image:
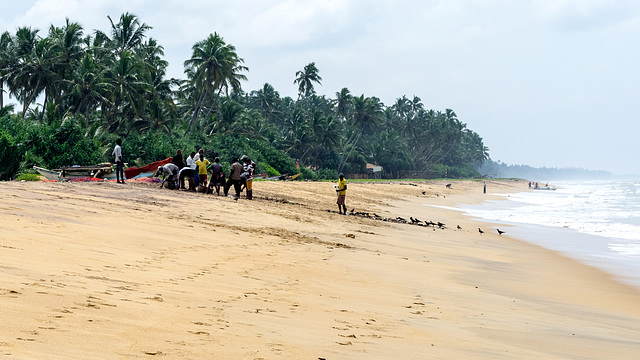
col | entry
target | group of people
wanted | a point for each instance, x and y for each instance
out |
(196, 169)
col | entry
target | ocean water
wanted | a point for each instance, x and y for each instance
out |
(595, 222)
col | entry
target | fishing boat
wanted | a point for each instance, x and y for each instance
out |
(145, 171)
(48, 174)
(99, 171)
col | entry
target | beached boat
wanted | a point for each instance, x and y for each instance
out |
(100, 171)
(48, 174)
(545, 188)
(145, 171)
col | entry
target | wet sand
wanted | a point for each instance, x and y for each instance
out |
(113, 271)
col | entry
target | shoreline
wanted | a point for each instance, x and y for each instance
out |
(586, 248)
(284, 277)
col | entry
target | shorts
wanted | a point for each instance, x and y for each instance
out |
(341, 199)
(250, 185)
(217, 180)
(203, 178)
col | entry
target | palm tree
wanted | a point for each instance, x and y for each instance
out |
(305, 79)
(127, 84)
(126, 35)
(214, 66)
(6, 43)
(40, 71)
(229, 113)
(267, 100)
(17, 72)
(67, 43)
(87, 87)
(343, 103)
(367, 111)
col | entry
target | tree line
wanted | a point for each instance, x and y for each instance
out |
(79, 91)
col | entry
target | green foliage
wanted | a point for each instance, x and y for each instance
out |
(327, 174)
(462, 172)
(454, 172)
(29, 177)
(9, 158)
(307, 174)
(268, 169)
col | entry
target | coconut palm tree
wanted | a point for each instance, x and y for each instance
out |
(127, 85)
(367, 111)
(343, 103)
(68, 47)
(87, 88)
(305, 79)
(17, 70)
(214, 66)
(6, 43)
(267, 100)
(127, 35)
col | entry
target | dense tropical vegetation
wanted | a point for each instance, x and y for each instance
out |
(80, 91)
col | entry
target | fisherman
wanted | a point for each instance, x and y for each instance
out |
(196, 172)
(177, 159)
(249, 170)
(202, 164)
(170, 175)
(117, 153)
(234, 177)
(341, 190)
(188, 172)
(217, 176)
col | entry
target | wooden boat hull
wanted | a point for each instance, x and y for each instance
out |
(101, 172)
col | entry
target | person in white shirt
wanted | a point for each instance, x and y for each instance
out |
(170, 173)
(117, 153)
(189, 171)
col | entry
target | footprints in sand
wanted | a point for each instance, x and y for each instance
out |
(422, 308)
(366, 329)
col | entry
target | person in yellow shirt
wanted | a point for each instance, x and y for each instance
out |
(202, 165)
(342, 192)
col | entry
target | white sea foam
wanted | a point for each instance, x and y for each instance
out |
(608, 212)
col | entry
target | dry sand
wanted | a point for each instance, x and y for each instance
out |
(108, 271)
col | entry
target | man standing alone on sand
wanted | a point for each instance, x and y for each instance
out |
(117, 153)
(342, 193)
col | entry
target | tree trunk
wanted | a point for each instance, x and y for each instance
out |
(31, 98)
(195, 112)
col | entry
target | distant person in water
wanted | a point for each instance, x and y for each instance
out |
(117, 153)
(341, 190)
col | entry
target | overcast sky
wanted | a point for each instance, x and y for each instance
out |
(552, 83)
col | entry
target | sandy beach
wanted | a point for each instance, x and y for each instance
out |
(110, 271)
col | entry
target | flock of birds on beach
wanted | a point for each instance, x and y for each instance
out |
(411, 221)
